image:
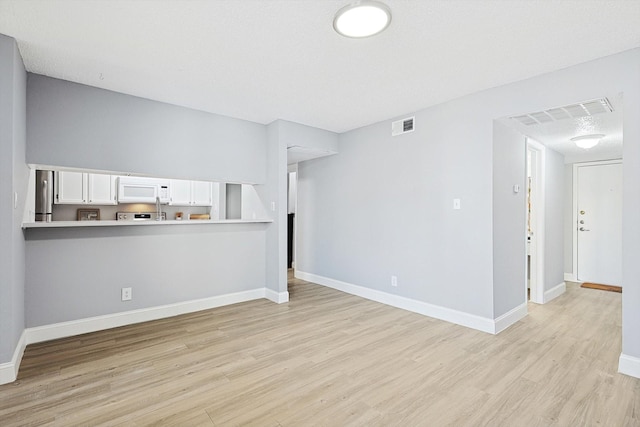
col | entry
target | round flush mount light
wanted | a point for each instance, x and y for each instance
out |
(587, 141)
(362, 19)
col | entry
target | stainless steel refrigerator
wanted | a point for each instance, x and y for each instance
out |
(44, 195)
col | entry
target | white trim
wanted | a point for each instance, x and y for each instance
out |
(9, 370)
(574, 215)
(537, 285)
(554, 292)
(277, 297)
(108, 321)
(469, 320)
(570, 277)
(629, 365)
(294, 239)
(574, 221)
(509, 318)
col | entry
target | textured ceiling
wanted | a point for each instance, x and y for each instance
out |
(263, 60)
(557, 134)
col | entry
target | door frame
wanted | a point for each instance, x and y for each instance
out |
(293, 168)
(574, 204)
(538, 200)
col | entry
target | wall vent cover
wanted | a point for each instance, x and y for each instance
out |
(574, 111)
(403, 126)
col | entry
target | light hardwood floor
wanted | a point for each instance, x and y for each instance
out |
(332, 359)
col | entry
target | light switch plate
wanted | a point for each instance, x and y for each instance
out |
(456, 204)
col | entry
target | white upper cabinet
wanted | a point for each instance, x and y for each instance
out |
(71, 188)
(101, 189)
(190, 193)
(201, 193)
(77, 188)
(180, 192)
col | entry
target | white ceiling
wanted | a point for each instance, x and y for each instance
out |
(263, 60)
(557, 134)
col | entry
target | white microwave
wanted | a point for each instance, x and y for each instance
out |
(133, 189)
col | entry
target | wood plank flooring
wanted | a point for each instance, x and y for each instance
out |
(332, 359)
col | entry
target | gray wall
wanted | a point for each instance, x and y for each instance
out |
(280, 135)
(382, 206)
(276, 191)
(74, 125)
(553, 219)
(509, 219)
(77, 273)
(13, 178)
(627, 71)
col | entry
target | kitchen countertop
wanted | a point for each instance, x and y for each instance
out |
(114, 223)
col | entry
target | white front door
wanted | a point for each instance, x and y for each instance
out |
(599, 228)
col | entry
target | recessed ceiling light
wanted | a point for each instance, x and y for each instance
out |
(362, 19)
(587, 141)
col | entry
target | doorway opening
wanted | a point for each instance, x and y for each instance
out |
(292, 193)
(535, 221)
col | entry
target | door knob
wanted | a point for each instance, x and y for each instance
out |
(583, 229)
(582, 212)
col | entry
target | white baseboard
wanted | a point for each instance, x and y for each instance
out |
(554, 292)
(473, 321)
(98, 323)
(629, 365)
(9, 370)
(277, 297)
(570, 277)
(510, 317)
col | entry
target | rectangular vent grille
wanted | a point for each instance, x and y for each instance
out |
(400, 127)
(584, 109)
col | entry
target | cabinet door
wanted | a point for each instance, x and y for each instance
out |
(180, 191)
(71, 188)
(102, 189)
(201, 193)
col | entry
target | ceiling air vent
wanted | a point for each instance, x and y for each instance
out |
(403, 126)
(574, 111)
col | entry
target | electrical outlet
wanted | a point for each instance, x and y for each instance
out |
(394, 281)
(126, 294)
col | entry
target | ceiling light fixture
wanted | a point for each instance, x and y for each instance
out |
(587, 141)
(363, 18)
